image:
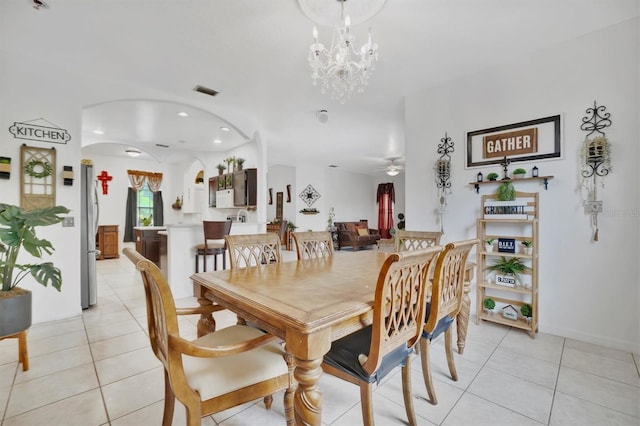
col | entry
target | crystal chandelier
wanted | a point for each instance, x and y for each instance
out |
(342, 68)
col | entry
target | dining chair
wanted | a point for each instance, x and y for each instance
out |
(443, 306)
(213, 230)
(368, 355)
(313, 245)
(412, 240)
(217, 371)
(253, 249)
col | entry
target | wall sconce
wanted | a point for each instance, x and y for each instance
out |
(67, 175)
(442, 170)
(596, 160)
(534, 171)
(5, 167)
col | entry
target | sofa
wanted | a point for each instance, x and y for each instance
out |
(356, 234)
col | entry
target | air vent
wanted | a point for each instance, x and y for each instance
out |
(332, 165)
(205, 90)
(162, 145)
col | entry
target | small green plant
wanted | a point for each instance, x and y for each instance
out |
(489, 303)
(506, 191)
(526, 310)
(240, 162)
(519, 171)
(489, 241)
(146, 221)
(492, 176)
(221, 168)
(527, 244)
(513, 266)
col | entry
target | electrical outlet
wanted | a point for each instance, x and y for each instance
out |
(68, 222)
(591, 207)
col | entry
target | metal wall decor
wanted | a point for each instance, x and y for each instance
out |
(442, 171)
(595, 160)
(309, 195)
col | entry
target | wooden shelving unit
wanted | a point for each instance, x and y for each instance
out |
(523, 293)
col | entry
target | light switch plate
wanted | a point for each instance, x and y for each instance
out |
(68, 222)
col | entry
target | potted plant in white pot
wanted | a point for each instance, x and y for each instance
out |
(17, 231)
(488, 245)
(527, 247)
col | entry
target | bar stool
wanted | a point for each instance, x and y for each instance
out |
(213, 230)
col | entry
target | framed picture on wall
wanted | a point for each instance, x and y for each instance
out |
(538, 139)
(279, 205)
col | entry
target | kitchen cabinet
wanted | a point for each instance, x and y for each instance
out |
(148, 244)
(509, 223)
(245, 188)
(107, 242)
(214, 182)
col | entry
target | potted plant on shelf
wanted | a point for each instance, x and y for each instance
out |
(519, 173)
(489, 304)
(221, 168)
(17, 231)
(488, 244)
(239, 163)
(492, 176)
(511, 267)
(527, 247)
(526, 310)
(506, 191)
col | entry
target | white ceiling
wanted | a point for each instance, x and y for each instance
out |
(254, 53)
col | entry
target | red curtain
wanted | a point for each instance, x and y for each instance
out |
(385, 199)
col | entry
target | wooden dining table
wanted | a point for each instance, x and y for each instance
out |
(307, 303)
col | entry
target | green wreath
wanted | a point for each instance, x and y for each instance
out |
(30, 168)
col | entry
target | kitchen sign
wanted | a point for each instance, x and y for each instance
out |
(33, 132)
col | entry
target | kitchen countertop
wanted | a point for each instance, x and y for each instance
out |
(150, 228)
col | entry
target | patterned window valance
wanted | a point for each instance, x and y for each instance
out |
(138, 178)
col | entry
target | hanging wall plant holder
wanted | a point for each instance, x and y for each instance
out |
(38, 177)
(595, 160)
(5, 167)
(442, 171)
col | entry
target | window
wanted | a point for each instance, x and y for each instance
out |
(145, 206)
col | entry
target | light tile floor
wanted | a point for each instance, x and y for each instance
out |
(98, 369)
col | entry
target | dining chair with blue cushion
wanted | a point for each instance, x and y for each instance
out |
(313, 244)
(365, 357)
(443, 306)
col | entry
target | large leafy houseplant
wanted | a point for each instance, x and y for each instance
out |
(513, 266)
(18, 230)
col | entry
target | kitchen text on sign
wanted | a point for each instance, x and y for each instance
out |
(33, 132)
(510, 143)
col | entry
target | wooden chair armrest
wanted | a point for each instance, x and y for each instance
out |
(188, 348)
(199, 310)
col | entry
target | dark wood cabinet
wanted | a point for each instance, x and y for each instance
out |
(245, 188)
(214, 182)
(148, 244)
(107, 242)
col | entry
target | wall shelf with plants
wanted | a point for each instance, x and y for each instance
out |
(545, 180)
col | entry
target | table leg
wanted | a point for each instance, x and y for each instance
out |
(307, 401)
(206, 323)
(462, 320)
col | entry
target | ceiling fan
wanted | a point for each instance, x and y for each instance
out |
(393, 166)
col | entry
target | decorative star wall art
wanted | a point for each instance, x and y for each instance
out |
(309, 195)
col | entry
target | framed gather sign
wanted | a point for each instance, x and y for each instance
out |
(538, 139)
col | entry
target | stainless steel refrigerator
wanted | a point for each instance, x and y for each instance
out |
(89, 223)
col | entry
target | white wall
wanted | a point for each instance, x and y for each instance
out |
(588, 290)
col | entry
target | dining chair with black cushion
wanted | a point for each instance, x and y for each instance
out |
(214, 243)
(253, 249)
(443, 306)
(413, 240)
(217, 371)
(365, 357)
(313, 245)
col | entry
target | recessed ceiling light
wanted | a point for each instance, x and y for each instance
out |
(183, 114)
(98, 132)
(217, 141)
(133, 152)
(225, 129)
